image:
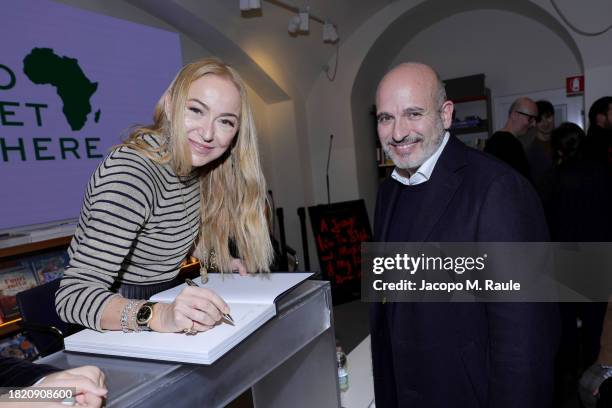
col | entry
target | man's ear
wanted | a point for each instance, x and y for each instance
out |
(446, 112)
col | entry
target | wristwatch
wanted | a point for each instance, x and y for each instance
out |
(144, 316)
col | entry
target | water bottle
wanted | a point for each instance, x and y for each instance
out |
(342, 369)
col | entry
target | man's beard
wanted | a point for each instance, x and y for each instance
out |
(429, 146)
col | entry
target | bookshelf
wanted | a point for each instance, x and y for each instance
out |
(13, 326)
(35, 247)
(472, 122)
(10, 327)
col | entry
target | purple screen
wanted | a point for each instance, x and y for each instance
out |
(71, 83)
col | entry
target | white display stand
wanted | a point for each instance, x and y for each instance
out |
(288, 362)
(360, 393)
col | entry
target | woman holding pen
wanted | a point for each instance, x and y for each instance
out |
(190, 182)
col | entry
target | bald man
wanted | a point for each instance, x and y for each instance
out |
(441, 355)
(505, 145)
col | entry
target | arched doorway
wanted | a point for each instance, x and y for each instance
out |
(442, 24)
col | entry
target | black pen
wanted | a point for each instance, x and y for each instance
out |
(226, 316)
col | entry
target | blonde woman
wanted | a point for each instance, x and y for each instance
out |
(190, 181)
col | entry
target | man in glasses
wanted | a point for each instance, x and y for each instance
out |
(505, 145)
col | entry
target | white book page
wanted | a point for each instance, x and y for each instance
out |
(203, 348)
(260, 288)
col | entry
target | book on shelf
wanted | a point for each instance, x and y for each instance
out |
(17, 346)
(15, 277)
(49, 266)
(252, 303)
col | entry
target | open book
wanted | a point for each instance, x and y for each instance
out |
(251, 301)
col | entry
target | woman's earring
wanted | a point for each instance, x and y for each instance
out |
(209, 265)
(203, 272)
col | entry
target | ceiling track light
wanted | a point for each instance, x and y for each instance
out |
(294, 24)
(304, 20)
(300, 22)
(246, 5)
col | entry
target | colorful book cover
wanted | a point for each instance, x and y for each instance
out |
(18, 346)
(49, 266)
(14, 278)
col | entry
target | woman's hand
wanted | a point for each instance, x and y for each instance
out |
(237, 266)
(195, 309)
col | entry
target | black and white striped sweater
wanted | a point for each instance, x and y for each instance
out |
(137, 224)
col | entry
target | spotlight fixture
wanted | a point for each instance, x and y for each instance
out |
(330, 34)
(294, 24)
(299, 23)
(246, 5)
(304, 20)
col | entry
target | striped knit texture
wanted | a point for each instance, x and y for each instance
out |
(135, 227)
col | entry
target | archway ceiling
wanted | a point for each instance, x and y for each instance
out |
(427, 13)
(273, 63)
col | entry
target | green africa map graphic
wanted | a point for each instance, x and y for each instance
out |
(43, 67)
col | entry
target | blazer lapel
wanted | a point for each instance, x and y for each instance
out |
(445, 182)
(388, 215)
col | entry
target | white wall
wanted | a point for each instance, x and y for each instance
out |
(295, 134)
(591, 16)
(517, 54)
(125, 11)
(452, 44)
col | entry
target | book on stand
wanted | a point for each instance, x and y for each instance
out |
(49, 266)
(252, 303)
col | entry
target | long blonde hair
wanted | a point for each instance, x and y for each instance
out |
(232, 188)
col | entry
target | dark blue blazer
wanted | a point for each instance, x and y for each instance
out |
(441, 355)
(15, 372)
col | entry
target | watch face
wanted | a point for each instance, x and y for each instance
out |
(144, 314)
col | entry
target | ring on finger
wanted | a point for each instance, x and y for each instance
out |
(191, 331)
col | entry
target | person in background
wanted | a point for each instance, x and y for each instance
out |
(440, 355)
(568, 143)
(539, 150)
(505, 145)
(577, 197)
(17, 373)
(596, 381)
(190, 182)
(599, 135)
